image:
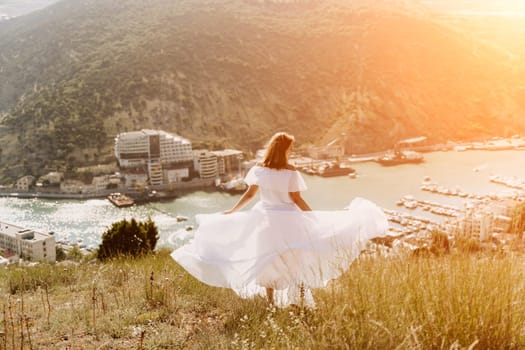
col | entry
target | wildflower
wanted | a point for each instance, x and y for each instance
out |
(136, 331)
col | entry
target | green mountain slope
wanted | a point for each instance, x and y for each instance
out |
(232, 72)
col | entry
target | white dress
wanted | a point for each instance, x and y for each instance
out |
(275, 244)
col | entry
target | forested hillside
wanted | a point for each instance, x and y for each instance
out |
(231, 72)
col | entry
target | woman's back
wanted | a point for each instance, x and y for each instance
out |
(276, 245)
(275, 185)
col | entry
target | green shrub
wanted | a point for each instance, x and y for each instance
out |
(60, 253)
(130, 238)
(74, 253)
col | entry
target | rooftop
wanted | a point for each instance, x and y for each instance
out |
(227, 152)
(149, 132)
(22, 233)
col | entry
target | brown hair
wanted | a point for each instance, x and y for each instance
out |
(275, 155)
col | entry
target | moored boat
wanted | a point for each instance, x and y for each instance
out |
(120, 200)
(401, 157)
(233, 186)
(335, 170)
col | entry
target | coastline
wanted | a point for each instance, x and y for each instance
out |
(169, 191)
(85, 219)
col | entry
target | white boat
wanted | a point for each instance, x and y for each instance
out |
(460, 148)
(410, 204)
(400, 157)
(234, 185)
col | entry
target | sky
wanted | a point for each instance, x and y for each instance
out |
(499, 6)
(14, 8)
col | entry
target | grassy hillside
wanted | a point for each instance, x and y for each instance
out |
(456, 301)
(231, 72)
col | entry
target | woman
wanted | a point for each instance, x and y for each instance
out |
(280, 244)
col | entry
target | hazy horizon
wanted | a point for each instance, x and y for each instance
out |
(15, 8)
(478, 5)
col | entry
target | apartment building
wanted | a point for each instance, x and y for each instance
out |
(205, 162)
(228, 161)
(24, 183)
(153, 151)
(27, 243)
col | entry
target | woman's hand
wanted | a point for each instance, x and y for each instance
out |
(229, 211)
(299, 201)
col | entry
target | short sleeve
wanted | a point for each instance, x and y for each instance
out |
(297, 183)
(251, 177)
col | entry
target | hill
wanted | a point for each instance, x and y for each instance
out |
(457, 301)
(14, 8)
(231, 72)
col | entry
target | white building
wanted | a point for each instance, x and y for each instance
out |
(228, 161)
(132, 149)
(24, 183)
(154, 151)
(72, 186)
(54, 177)
(27, 243)
(102, 182)
(205, 162)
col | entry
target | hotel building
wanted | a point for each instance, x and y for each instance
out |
(27, 243)
(156, 152)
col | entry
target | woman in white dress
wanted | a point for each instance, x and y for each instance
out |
(278, 247)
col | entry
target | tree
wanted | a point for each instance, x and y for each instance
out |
(128, 238)
(152, 233)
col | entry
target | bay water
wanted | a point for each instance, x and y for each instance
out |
(84, 221)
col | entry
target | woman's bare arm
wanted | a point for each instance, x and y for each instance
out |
(299, 201)
(245, 199)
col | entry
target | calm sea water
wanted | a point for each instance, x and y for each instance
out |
(87, 220)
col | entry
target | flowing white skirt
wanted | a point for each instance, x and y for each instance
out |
(279, 248)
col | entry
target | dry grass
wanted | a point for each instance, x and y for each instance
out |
(451, 302)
